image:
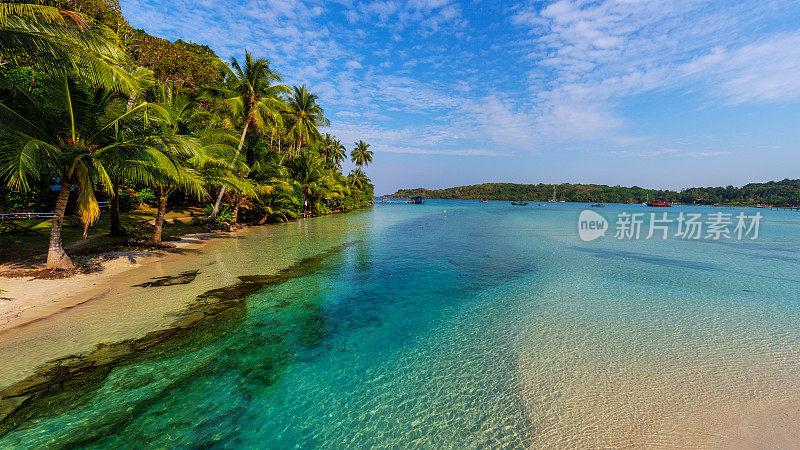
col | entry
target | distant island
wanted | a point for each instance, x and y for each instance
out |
(778, 193)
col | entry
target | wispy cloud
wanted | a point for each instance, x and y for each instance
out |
(459, 78)
(586, 57)
(427, 16)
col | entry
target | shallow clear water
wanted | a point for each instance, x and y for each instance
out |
(491, 325)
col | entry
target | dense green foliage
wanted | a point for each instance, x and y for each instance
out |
(779, 193)
(93, 110)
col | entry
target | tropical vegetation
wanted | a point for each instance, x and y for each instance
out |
(778, 193)
(94, 112)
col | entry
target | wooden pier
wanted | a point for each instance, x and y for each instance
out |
(393, 201)
(418, 200)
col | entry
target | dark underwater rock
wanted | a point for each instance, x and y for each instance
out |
(181, 278)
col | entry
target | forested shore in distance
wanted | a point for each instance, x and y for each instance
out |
(777, 193)
(95, 113)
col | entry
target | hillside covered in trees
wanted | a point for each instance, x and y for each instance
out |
(785, 192)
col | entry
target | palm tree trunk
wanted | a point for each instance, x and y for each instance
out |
(131, 102)
(116, 223)
(236, 209)
(162, 210)
(215, 211)
(56, 256)
(286, 153)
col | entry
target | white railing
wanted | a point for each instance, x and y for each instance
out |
(25, 215)
(38, 215)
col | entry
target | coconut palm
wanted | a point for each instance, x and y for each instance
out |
(304, 117)
(339, 154)
(277, 205)
(145, 79)
(316, 183)
(180, 174)
(357, 179)
(326, 148)
(77, 140)
(62, 42)
(207, 165)
(251, 100)
(361, 155)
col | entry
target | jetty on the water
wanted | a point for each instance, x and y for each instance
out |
(416, 200)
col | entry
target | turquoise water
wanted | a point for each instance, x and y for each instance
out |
(491, 326)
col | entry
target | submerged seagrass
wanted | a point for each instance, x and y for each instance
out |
(67, 381)
(489, 326)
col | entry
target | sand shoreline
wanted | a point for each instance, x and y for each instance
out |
(27, 299)
(46, 319)
(35, 311)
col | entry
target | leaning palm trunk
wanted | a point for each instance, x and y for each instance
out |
(162, 210)
(56, 256)
(215, 211)
(289, 149)
(283, 156)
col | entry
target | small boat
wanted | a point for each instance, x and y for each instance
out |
(659, 204)
(598, 205)
(418, 200)
(519, 203)
(483, 200)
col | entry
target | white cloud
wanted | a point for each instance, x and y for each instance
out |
(765, 71)
(585, 57)
(566, 66)
(428, 16)
(353, 65)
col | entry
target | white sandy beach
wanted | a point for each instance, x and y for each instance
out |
(43, 319)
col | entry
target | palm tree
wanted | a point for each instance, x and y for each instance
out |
(357, 179)
(275, 195)
(144, 78)
(304, 117)
(76, 139)
(360, 155)
(62, 42)
(207, 163)
(249, 97)
(326, 148)
(339, 154)
(278, 202)
(180, 174)
(315, 182)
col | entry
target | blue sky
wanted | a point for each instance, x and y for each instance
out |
(656, 93)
